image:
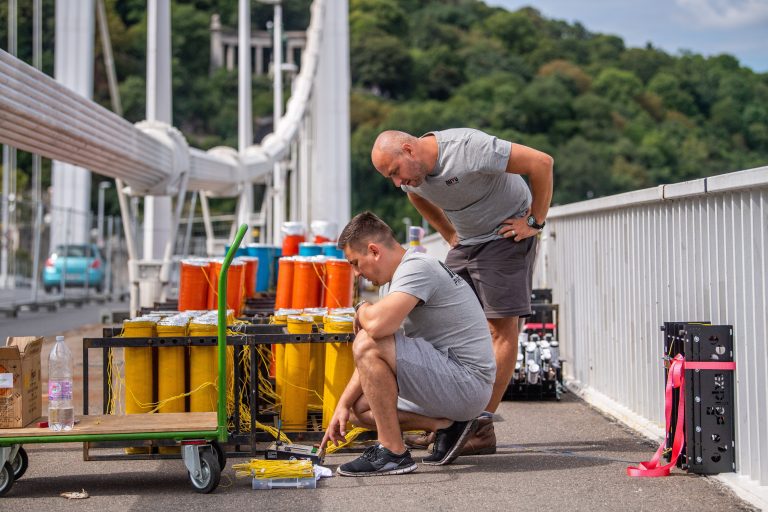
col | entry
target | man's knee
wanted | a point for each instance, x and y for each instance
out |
(363, 345)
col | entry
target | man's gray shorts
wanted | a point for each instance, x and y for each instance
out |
(437, 385)
(500, 273)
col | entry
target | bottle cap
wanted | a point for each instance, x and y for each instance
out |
(59, 338)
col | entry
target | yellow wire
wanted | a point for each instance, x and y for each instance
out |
(351, 436)
(263, 469)
(199, 327)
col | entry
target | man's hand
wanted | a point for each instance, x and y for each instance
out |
(453, 240)
(517, 228)
(337, 428)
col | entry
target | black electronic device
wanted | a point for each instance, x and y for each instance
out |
(710, 444)
(282, 451)
(543, 295)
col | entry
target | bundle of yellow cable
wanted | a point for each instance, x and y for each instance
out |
(239, 402)
(267, 395)
(267, 390)
(351, 436)
(264, 469)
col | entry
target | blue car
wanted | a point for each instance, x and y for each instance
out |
(74, 265)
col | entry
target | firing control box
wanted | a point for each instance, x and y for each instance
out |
(282, 451)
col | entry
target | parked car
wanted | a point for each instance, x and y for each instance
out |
(74, 265)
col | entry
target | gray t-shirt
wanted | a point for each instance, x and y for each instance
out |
(471, 185)
(448, 315)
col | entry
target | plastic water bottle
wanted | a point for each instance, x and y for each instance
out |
(61, 412)
(554, 346)
(415, 234)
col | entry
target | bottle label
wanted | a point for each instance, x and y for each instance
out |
(59, 390)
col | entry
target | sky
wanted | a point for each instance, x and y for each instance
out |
(708, 27)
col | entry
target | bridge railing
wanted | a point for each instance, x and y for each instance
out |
(40, 115)
(620, 266)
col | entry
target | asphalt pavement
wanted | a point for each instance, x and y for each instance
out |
(551, 456)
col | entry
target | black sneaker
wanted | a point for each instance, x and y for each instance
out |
(449, 442)
(377, 460)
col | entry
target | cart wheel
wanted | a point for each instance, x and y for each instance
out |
(19, 464)
(210, 473)
(6, 478)
(220, 455)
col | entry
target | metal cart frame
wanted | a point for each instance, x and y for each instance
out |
(198, 433)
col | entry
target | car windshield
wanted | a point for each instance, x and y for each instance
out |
(76, 251)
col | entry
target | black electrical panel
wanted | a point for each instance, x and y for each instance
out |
(710, 443)
(542, 295)
(538, 371)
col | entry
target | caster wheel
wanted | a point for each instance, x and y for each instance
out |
(210, 473)
(6, 478)
(19, 464)
(220, 455)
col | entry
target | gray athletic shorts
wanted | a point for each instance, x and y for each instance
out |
(437, 385)
(500, 273)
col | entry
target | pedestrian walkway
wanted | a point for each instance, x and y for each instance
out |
(556, 456)
(14, 302)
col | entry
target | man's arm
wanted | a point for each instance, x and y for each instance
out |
(385, 317)
(337, 425)
(436, 218)
(538, 166)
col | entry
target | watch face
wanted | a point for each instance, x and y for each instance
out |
(531, 220)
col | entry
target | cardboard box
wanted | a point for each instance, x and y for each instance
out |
(20, 382)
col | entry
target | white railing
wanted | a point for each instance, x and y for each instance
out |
(620, 266)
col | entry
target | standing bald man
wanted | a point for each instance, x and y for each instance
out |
(469, 186)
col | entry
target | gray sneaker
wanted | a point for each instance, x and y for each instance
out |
(377, 460)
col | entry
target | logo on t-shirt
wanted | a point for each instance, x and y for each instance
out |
(456, 279)
(452, 181)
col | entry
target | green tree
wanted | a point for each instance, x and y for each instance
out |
(438, 71)
(545, 100)
(617, 85)
(515, 29)
(381, 64)
(668, 87)
(644, 62)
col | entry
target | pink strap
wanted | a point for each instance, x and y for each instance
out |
(675, 379)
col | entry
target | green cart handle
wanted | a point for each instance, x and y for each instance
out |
(221, 417)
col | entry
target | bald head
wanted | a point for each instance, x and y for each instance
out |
(388, 145)
(403, 158)
(391, 141)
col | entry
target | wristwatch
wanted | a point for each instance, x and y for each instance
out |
(357, 306)
(532, 222)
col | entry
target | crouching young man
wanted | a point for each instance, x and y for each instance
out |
(423, 354)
